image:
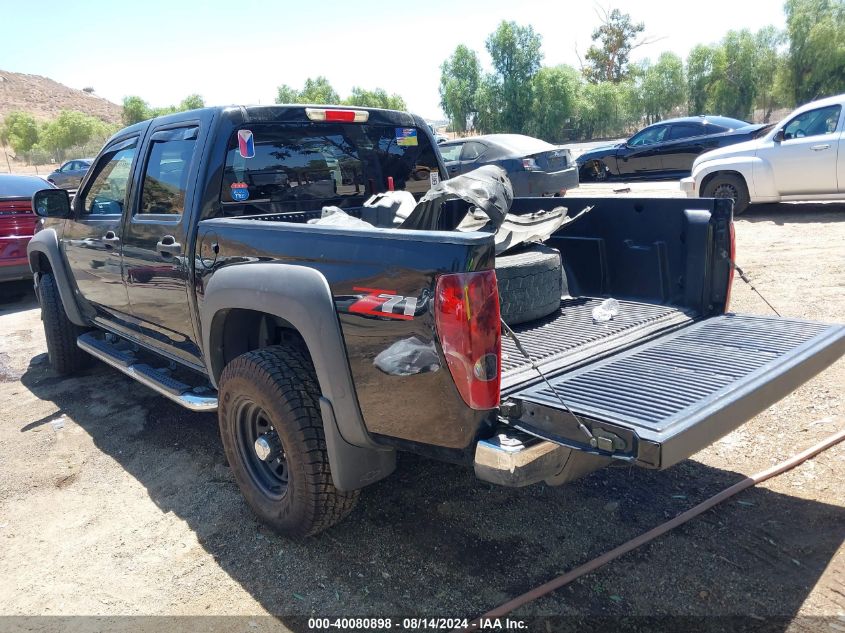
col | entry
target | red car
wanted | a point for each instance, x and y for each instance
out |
(17, 223)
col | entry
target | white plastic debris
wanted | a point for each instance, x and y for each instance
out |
(335, 216)
(606, 310)
(58, 423)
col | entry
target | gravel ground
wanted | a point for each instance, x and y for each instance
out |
(114, 501)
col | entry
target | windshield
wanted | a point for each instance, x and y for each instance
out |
(309, 165)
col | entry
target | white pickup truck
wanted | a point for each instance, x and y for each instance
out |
(800, 158)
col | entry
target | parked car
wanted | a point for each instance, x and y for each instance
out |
(325, 349)
(665, 150)
(71, 173)
(801, 158)
(438, 137)
(535, 167)
(17, 223)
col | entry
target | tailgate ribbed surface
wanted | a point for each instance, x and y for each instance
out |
(659, 383)
(553, 341)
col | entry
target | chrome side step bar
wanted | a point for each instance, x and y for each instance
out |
(192, 398)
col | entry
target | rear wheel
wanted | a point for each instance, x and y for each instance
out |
(273, 436)
(728, 186)
(61, 334)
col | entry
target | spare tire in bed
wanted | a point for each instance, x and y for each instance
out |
(530, 283)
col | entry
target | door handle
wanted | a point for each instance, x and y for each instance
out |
(168, 246)
(110, 239)
(818, 148)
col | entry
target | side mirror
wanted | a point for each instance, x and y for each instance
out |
(51, 203)
(778, 137)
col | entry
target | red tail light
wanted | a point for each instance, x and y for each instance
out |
(343, 116)
(732, 237)
(468, 323)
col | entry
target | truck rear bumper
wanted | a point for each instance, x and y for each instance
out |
(688, 187)
(513, 459)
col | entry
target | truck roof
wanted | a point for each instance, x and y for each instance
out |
(279, 113)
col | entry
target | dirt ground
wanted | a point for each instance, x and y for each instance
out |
(113, 501)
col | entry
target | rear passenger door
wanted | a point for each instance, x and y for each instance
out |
(155, 242)
(472, 155)
(685, 141)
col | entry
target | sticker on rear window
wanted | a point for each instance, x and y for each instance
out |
(406, 136)
(240, 191)
(246, 144)
(434, 177)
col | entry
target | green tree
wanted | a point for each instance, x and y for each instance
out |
(460, 76)
(377, 98)
(67, 130)
(20, 131)
(489, 105)
(607, 109)
(700, 65)
(735, 84)
(515, 51)
(317, 90)
(816, 30)
(663, 87)
(287, 94)
(191, 102)
(135, 109)
(770, 70)
(608, 58)
(555, 93)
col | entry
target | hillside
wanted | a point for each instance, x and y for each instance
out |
(45, 98)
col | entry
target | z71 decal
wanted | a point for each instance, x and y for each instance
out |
(384, 303)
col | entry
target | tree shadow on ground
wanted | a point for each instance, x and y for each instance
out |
(432, 540)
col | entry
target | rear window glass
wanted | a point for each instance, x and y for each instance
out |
(306, 166)
(21, 186)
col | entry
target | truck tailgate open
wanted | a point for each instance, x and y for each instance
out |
(662, 401)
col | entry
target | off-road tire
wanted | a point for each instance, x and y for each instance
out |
(728, 186)
(281, 381)
(65, 355)
(530, 283)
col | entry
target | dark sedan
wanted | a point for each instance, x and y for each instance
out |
(665, 150)
(17, 223)
(70, 174)
(535, 168)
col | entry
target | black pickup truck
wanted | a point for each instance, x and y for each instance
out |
(187, 261)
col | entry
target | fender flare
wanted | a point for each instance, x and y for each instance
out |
(301, 297)
(752, 169)
(46, 242)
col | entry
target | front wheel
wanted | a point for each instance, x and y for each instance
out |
(728, 186)
(61, 334)
(273, 436)
(594, 171)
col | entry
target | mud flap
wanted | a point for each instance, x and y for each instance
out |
(660, 402)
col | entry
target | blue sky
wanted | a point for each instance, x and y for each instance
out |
(238, 51)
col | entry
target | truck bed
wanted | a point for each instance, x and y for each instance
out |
(571, 336)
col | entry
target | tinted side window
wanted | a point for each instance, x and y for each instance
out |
(685, 130)
(107, 193)
(813, 123)
(166, 174)
(451, 152)
(473, 150)
(649, 136)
